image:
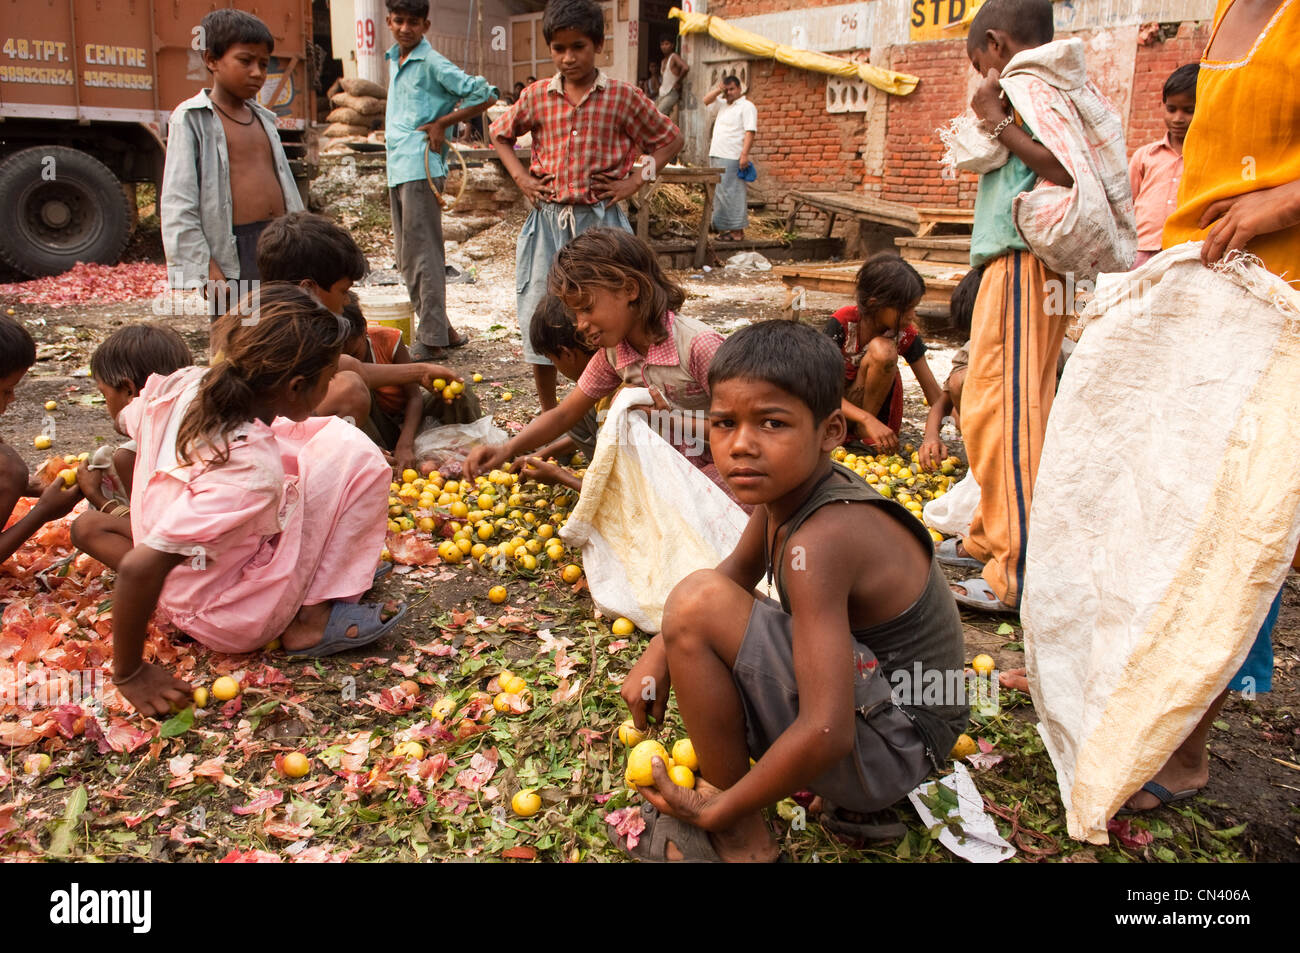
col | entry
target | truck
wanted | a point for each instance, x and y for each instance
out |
(86, 89)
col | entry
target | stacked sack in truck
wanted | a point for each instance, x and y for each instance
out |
(358, 110)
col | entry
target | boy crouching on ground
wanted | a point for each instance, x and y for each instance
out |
(803, 687)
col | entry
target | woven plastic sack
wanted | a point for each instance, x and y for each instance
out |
(1164, 517)
(647, 517)
(952, 513)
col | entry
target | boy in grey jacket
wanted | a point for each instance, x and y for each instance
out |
(226, 175)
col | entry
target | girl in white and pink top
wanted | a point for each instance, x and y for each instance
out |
(251, 519)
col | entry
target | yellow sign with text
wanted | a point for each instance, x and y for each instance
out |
(941, 19)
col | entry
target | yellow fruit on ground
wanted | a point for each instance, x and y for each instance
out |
(464, 545)
(200, 697)
(497, 595)
(513, 685)
(443, 708)
(936, 536)
(507, 396)
(640, 769)
(533, 546)
(478, 378)
(394, 526)
(409, 475)
(555, 552)
(36, 763)
(484, 530)
(526, 803)
(622, 626)
(41, 442)
(426, 524)
(546, 531)
(684, 753)
(50, 405)
(501, 703)
(225, 688)
(477, 550)
(295, 764)
(965, 746)
(629, 734)
(983, 664)
(410, 750)
(682, 776)
(570, 573)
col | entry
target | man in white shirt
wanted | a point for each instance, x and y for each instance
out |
(734, 128)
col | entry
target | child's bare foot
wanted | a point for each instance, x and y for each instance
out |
(308, 627)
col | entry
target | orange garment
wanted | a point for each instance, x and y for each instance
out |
(383, 346)
(1015, 344)
(1246, 135)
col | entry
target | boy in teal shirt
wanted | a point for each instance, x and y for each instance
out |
(427, 94)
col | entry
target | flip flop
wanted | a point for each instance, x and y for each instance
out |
(366, 616)
(876, 826)
(946, 553)
(652, 847)
(980, 597)
(1163, 795)
(457, 339)
(382, 570)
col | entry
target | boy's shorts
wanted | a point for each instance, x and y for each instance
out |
(888, 758)
(548, 228)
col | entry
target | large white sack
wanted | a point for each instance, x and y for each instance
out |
(1164, 517)
(952, 513)
(647, 518)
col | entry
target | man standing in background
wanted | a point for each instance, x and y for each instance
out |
(734, 128)
(670, 81)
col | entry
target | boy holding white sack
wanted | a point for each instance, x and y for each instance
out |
(1132, 648)
(1054, 206)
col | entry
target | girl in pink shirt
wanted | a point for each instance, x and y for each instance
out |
(251, 518)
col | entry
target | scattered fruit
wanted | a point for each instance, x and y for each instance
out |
(526, 803)
(640, 768)
(36, 763)
(410, 750)
(410, 687)
(295, 764)
(444, 707)
(571, 573)
(629, 734)
(513, 685)
(983, 664)
(200, 697)
(684, 753)
(478, 378)
(225, 688)
(41, 442)
(622, 626)
(51, 404)
(497, 595)
(965, 746)
(507, 396)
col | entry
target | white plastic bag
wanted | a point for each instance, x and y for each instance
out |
(749, 260)
(647, 517)
(1164, 517)
(951, 514)
(447, 446)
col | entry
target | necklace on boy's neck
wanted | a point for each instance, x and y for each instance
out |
(237, 122)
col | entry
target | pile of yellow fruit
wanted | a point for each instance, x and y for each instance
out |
(901, 478)
(450, 391)
(681, 764)
(497, 519)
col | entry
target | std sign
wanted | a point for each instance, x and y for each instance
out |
(940, 19)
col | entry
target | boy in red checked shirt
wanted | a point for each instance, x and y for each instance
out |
(588, 131)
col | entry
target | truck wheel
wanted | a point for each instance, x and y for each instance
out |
(59, 206)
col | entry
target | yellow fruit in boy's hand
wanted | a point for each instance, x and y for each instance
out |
(526, 803)
(684, 753)
(69, 477)
(640, 770)
(295, 764)
(41, 442)
(36, 763)
(497, 595)
(409, 475)
(478, 378)
(507, 396)
(410, 750)
(622, 626)
(50, 405)
(629, 734)
(225, 688)
(200, 697)
(513, 685)
(456, 387)
(439, 383)
(965, 746)
(983, 664)
(682, 776)
(570, 573)
(448, 394)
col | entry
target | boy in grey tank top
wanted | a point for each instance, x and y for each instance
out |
(817, 689)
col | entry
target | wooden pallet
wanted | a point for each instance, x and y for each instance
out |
(916, 221)
(941, 279)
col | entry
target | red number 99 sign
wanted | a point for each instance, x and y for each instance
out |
(365, 35)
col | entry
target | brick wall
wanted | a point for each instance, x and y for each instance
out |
(912, 149)
(1151, 68)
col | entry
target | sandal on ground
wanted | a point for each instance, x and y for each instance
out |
(1163, 795)
(660, 829)
(980, 597)
(876, 826)
(382, 570)
(457, 338)
(366, 616)
(948, 555)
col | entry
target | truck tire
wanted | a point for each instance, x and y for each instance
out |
(59, 206)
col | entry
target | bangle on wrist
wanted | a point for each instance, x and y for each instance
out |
(997, 130)
(123, 681)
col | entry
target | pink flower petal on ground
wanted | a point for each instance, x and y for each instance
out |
(264, 801)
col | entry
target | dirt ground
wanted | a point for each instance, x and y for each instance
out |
(1248, 812)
